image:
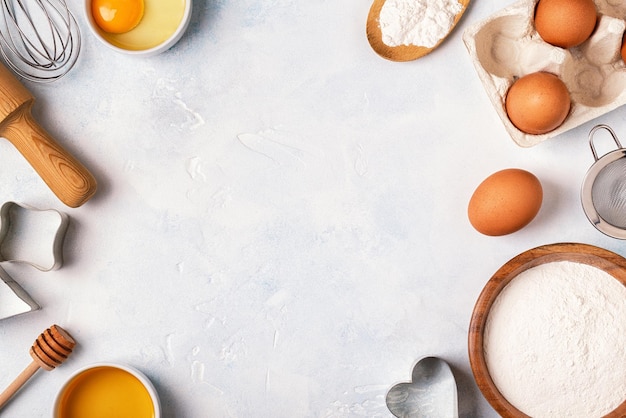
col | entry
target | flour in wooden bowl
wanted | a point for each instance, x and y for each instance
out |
(555, 341)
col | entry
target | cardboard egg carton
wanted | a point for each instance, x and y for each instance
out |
(506, 46)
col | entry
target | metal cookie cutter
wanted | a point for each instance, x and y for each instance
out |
(603, 192)
(13, 299)
(432, 392)
(32, 236)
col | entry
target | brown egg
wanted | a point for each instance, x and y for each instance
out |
(565, 23)
(538, 103)
(505, 202)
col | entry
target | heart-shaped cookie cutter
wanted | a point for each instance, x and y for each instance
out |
(431, 393)
(18, 222)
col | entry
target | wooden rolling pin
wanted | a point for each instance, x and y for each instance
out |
(49, 350)
(67, 178)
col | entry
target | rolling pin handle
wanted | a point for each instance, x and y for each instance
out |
(68, 179)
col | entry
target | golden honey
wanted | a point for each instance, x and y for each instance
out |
(105, 392)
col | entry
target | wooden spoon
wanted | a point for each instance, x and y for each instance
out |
(49, 350)
(401, 52)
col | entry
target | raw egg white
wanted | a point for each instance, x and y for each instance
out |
(505, 202)
(538, 103)
(160, 21)
(117, 16)
(565, 23)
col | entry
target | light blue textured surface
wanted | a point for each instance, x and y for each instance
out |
(280, 228)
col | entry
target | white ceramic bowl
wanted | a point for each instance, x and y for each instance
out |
(109, 40)
(81, 374)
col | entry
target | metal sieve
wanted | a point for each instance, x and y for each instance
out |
(603, 192)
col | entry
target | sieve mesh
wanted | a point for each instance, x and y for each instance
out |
(608, 193)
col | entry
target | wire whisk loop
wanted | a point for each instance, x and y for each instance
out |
(39, 39)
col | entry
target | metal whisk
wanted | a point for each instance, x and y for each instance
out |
(39, 39)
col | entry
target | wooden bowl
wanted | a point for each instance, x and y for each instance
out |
(612, 263)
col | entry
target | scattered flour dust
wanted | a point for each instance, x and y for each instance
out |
(417, 22)
(555, 341)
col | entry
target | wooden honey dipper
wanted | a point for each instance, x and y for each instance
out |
(49, 350)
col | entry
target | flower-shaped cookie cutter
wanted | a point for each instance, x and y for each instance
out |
(32, 236)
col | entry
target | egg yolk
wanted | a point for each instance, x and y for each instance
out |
(117, 16)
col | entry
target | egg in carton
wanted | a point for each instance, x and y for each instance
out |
(506, 46)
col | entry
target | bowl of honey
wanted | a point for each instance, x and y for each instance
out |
(138, 27)
(107, 390)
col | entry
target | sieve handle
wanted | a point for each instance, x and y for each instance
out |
(593, 131)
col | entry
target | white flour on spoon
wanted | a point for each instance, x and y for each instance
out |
(417, 22)
(555, 341)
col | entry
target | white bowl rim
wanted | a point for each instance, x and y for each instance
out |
(162, 47)
(129, 369)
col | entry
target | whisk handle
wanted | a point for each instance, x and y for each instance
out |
(68, 179)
